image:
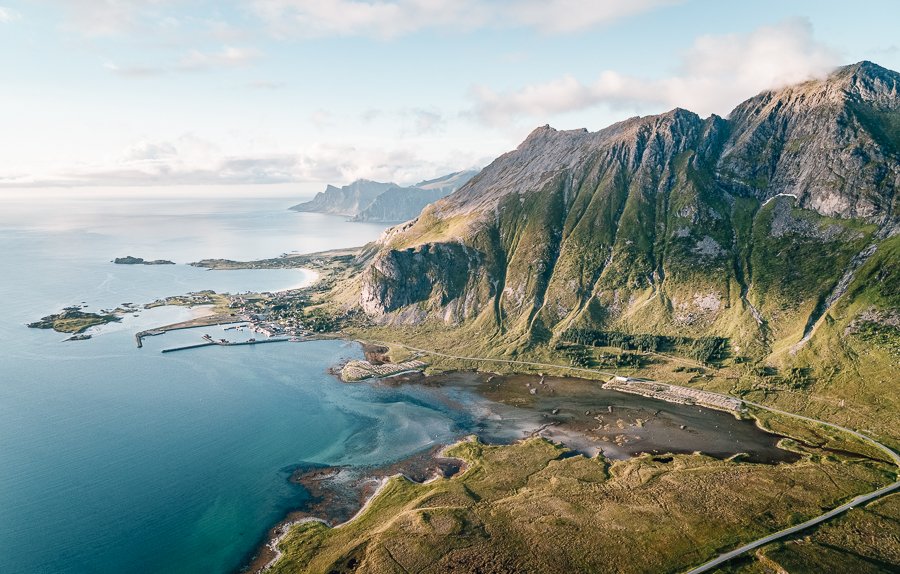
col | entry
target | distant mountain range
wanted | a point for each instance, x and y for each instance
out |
(365, 200)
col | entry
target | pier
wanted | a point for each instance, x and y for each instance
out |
(139, 337)
(223, 343)
(206, 321)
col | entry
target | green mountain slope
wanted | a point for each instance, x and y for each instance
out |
(773, 229)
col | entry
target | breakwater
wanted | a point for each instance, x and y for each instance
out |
(224, 344)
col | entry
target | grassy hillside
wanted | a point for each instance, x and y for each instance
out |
(863, 541)
(533, 507)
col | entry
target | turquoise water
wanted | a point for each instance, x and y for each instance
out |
(118, 459)
(114, 459)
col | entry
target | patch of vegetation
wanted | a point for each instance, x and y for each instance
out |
(73, 321)
(886, 336)
(702, 349)
(683, 369)
(797, 258)
(129, 260)
(797, 377)
(533, 507)
(320, 320)
(579, 356)
(815, 435)
(863, 541)
(206, 297)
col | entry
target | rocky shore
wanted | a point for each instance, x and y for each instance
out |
(73, 320)
(129, 260)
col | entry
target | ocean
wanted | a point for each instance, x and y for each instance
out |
(119, 459)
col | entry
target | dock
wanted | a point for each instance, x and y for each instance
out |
(205, 321)
(186, 347)
(225, 344)
(139, 337)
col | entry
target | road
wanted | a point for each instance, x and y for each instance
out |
(722, 558)
(861, 499)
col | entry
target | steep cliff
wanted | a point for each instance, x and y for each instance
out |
(745, 227)
(399, 204)
(347, 200)
(365, 200)
(404, 203)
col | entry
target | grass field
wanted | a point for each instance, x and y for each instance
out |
(536, 507)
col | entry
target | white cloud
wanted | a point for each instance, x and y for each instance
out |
(8, 15)
(133, 71)
(392, 18)
(190, 160)
(383, 19)
(715, 74)
(99, 18)
(227, 57)
(562, 16)
(342, 163)
(411, 121)
(423, 121)
(371, 18)
(322, 119)
(370, 115)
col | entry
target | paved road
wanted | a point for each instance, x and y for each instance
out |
(894, 456)
(861, 499)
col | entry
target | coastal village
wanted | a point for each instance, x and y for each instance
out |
(276, 316)
(286, 316)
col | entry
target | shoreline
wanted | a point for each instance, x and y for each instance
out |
(267, 552)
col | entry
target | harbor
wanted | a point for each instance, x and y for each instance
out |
(206, 321)
(208, 341)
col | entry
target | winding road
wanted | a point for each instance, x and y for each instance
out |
(722, 558)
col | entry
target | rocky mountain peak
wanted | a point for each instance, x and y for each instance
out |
(832, 143)
(867, 73)
(638, 223)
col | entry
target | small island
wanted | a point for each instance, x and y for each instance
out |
(73, 320)
(129, 260)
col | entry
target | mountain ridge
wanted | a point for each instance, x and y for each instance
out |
(367, 200)
(672, 223)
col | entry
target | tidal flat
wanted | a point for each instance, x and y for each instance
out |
(576, 415)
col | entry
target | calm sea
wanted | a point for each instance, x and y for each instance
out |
(115, 459)
(118, 459)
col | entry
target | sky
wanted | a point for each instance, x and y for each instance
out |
(197, 92)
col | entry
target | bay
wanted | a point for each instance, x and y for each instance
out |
(118, 459)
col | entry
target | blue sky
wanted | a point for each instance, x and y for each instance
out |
(166, 92)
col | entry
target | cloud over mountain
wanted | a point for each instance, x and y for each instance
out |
(712, 77)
